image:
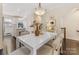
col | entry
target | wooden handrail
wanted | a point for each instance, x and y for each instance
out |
(64, 40)
(64, 28)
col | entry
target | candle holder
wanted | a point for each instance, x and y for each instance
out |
(51, 24)
(37, 29)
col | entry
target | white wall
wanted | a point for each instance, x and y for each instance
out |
(72, 24)
(12, 27)
(60, 11)
(0, 25)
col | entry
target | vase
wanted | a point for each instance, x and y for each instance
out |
(37, 30)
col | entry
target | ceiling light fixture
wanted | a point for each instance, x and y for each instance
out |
(39, 11)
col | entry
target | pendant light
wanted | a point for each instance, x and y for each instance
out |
(39, 11)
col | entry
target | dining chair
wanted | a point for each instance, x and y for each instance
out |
(56, 43)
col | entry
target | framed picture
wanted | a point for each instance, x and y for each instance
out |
(20, 25)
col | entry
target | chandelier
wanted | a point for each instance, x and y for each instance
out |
(39, 11)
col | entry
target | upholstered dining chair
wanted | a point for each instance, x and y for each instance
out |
(56, 44)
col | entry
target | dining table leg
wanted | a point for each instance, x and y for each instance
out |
(33, 52)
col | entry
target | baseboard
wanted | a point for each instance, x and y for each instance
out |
(72, 39)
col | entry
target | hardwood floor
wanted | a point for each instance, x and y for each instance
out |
(72, 47)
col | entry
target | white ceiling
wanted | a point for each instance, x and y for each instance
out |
(25, 9)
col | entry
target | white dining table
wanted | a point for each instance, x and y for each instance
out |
(33, 43)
